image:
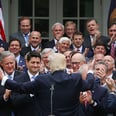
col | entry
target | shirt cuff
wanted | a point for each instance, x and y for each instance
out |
(4, 80)
(90, 71)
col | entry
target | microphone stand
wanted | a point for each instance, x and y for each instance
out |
(51, 100)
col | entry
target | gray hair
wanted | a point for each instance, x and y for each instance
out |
(55, 24)
(6, 54)
(63, 39)
(46, 50)
(102, 63)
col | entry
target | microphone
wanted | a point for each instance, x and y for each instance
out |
(51, 100)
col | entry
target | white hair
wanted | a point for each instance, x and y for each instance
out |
(46, 50)
(57, 61)
(55, 24)
(63, 39)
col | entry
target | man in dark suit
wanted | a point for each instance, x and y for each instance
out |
(57, 31)
(111, 72)
(26, 104)
(58, 92)
(94, 34)
(23, 34)
(98, 102)
(77, 45)
(34, 43)
(7, 62)
(112, 42)
(15, 48)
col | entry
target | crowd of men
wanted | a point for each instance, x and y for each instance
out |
(70, 75)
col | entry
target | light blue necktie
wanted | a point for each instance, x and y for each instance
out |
(10, 77)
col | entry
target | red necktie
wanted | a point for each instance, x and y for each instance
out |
(112, 51)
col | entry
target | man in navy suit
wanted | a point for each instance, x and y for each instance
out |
(112, 42)
(94, 34)
(99, 102)
(23, 34)
(8, 64)
(77, 45)
(15, 48)
(58, 32)
(27, 104)
(111, 72)
(34, 43)
(58, 92)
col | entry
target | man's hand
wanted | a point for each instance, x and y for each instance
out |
(86, 52)
(111, 84)
(86, 97)
(7, 94)
(1, 74)
(112, 39)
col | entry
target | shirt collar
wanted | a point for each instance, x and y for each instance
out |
(11, 75)
(32, 48)
(17, 58)
(30, 75)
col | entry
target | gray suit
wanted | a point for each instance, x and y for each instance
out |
(18, 35)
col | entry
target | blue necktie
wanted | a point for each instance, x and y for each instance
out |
(10, 77)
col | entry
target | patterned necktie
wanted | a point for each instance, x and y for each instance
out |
(112, 51)
(26, 39)
(33, 78)
(9, 77)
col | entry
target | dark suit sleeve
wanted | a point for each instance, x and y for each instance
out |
(19, 99)
(109, 103)
(27, 87)
(88, 83)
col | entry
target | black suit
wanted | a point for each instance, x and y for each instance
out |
(24, 104)
(87, 41)
(25, 50)
(66, 92)
(110, 105)
(6, 106)
(98, 95)
(114, 75)
(90, 53)
(49, 44)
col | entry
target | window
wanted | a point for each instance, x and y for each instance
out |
(44, 13)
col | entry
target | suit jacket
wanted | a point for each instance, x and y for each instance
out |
(106, 103)
(98, 94)
(87, 41)
(4, 44)
(18, 35)
(24, 104)
(90, 53)
(25, 50)
(110, 105)
(22, 63)
(114, 75)
(65, 87)
(49, 44)
(6, 106)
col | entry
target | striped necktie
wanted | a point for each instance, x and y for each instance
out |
(112, 51)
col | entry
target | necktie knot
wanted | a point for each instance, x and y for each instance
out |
(9, 76)
(33, 77)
